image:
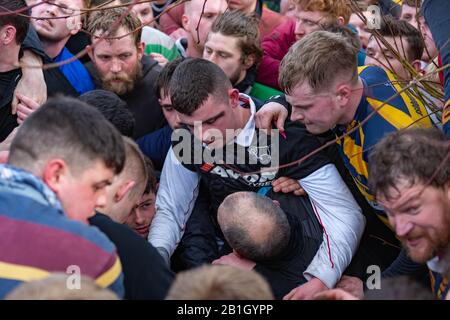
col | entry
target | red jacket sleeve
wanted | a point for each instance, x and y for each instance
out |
(275, 46)
(171, 21)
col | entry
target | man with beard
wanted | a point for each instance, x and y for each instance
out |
(119, 65)
(415, 193)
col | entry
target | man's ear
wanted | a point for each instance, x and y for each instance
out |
(417, 65)
(90, 52)
(185, 22)
(140, 50)
(124, 190)
(344, 91)
(340, 21)
(233, 95)
(249, 61)
(55, 174)
(8, 35)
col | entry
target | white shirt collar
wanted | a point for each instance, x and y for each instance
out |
(438, 265)
(245, 137)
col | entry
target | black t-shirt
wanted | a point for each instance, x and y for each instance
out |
(230, 177)
(8, 82)
(146, 276)
(285, 272)
(78, 43)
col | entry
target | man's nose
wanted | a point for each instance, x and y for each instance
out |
(116, 66)
(297, 116)
(402, 226)
(101, 200)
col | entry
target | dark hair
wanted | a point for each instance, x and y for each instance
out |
(19, 21)
(412, 154)
(152, 179)
(391, 27)
(246, 28)
(399, 288)
(163, 79)
(114, 109)
(412, 3)
(194, 81)
(236, 230)
(351, 36)
(104, 19)
(69, 129)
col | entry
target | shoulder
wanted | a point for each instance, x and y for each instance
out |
(369, 72)
(154, 36)
(125, 239)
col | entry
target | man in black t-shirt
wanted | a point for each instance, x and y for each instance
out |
(14, 28)
(119, 65)
(277, 244)
(230, 154)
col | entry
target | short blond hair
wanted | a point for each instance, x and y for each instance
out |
(217, 282)
(333, 8)
(318, 59)
(55, 287)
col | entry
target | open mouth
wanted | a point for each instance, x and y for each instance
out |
(413, 242)
(45, 22)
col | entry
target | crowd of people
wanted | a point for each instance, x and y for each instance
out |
(215, 149)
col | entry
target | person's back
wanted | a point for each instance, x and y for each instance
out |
(146, 275)
(281, 242)
(60, 162)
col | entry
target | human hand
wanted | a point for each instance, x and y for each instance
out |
(25, 108)
(6, 144)
(179, 33)
(352, 285)
(270, 113)
(334, 294)
(162, 61)
(235, 260)
(306, 291)
(288, 185)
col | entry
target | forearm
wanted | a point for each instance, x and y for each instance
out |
(177, 192)
(342, 222)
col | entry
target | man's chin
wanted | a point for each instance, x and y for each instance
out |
(313, 129)
(419, 255)
(118, 88)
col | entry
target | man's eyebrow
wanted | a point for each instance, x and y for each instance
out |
(209, 119)
(103, 183)
(215, 117)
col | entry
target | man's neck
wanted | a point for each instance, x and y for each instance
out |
(193, 49)
(243, 115)
(9, 58)
(353, 103)
(54, 48)
(250, 9)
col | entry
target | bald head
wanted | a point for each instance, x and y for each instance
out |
(197, 28)
(253, 225)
